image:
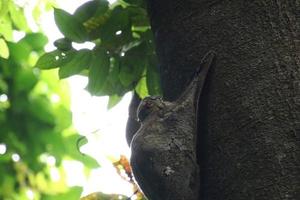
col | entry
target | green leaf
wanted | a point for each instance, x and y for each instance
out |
(127, 75)
(19, 51)
(113, 85)
(91, 9)
(138, 16)
(6, 28)
(77, 61)
(72, 194)
(114, 71)
(72, 150)
(63, 117)
(55, 145)
(113, 100)
(37, 41)
(141, 88)
(99, 69)
(25, 80)
(70, 26)
(132, 65)
(103, 6)
(3, 8)
(41, 108)
(86, 11)
(4, 51)
(52, 59)
(117, 21)
(63, 44)
(3, 85)
(7, 185)
(18, 17)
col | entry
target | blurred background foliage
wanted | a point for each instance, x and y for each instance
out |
(36, 133)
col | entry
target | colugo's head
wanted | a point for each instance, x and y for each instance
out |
(149, 105)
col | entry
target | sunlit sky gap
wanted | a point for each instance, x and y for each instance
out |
(105, 130)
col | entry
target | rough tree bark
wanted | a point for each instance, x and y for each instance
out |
(250, 114)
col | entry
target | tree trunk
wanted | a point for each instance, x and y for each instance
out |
(250, 111)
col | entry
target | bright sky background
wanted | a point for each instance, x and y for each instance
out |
(104, 129)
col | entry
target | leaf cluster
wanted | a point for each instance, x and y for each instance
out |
(123, 58)
(11, 18)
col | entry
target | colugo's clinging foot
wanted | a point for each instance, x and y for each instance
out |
(163, 150)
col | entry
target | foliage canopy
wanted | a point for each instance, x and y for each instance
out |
(36, 134)
(123, 58)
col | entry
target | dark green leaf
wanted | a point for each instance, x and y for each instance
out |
(91, 9)
(113, 85)
(86, 11)
(132, 65)
(114, 70)
(63, 44)
(138, 16)
(70, 26)
(127, 75)
(53, 59)
(77, 61)
(103, 6)
(118, 21)
(99, 69)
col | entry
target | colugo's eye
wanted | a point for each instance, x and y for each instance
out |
(147, 106)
